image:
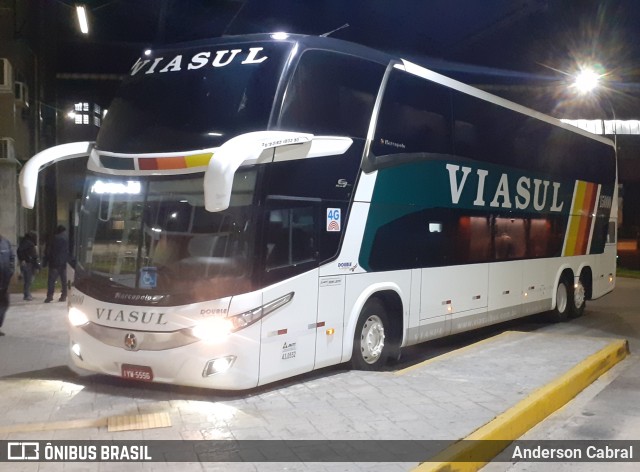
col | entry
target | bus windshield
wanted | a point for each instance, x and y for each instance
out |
(194, 98)
(153, 236)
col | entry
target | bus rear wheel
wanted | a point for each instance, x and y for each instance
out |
(564, 302)
(371, 343)
(579, 300)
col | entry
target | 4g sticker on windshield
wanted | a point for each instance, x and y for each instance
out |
(334, 220)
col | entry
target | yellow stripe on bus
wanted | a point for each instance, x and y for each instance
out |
(198, 160)
(574, 219)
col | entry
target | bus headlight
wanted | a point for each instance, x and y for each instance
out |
(77, 317)
(212, 330)
(216, 329)
(245, 319)
(249, 317)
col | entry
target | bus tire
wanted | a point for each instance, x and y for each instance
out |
(371, 343)
(578, 300)
(564, 297)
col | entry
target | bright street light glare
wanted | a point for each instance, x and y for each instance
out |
(587, 80)
(82, 19)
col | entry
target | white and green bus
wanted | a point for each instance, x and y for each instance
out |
(260, 206)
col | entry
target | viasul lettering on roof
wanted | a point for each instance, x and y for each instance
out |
(219, 58)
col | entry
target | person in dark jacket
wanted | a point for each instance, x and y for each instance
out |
(57, 256)
(29, 262)
(7, 267)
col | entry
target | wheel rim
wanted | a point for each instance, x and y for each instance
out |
(578, 295)
(561, 298)
(372, 339)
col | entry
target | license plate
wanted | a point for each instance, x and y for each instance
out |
(137, 372)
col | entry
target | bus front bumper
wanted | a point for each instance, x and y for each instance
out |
(232, 364)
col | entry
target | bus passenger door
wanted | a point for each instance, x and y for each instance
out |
(288, 337)
(330, 322)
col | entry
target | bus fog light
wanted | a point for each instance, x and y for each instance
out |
(75, 348)
(77, 317)
(212, 330)
(218, 366)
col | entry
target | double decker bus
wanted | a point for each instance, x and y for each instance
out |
(260, 206)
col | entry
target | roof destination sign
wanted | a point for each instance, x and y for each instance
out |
(221, 58)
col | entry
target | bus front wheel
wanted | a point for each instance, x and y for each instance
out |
(371, 343)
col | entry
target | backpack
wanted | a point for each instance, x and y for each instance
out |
(22, 251)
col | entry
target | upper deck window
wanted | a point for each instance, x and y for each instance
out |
(414, 117)
(331, 94)
(194, 99)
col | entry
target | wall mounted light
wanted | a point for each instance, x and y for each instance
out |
(81, 11)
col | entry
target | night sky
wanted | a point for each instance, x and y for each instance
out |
(527, 51)
(524, 50)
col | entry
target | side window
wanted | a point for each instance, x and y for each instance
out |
(488, 132)
(290, 237)
(331, 94)
(415, 116)
(438, 237)
(6, 75)
(509, 239)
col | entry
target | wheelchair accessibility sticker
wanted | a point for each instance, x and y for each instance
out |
(148, 277)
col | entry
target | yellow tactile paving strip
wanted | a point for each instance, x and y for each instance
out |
(131, 422)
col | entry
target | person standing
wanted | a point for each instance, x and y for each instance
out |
(7, 267)
(57, 256)
(29, 262)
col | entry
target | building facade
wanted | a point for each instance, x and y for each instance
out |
(27, 113)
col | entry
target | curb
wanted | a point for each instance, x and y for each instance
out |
(489, 440)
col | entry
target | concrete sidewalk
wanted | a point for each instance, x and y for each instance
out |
(446, 398)
(606, 410)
